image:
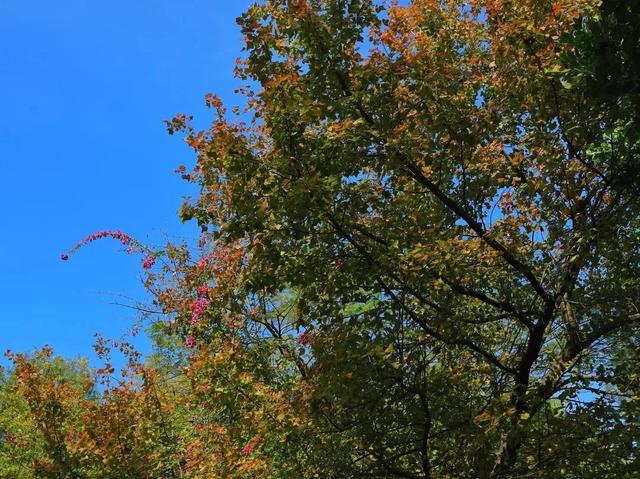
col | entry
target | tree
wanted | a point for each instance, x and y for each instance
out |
(59, 423)
(434, 187)
(419, 257)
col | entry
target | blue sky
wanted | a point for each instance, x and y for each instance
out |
(84, 88)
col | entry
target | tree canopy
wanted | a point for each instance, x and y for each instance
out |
(420, 258)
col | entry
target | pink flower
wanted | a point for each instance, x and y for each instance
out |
(190, 342)
(64, 257)
(149, 261)
(203, 290)
(248, 449)
(200, 305)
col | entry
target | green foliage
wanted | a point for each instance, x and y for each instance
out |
(419, 259)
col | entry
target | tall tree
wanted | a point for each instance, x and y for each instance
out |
(419, 259)
(438, 186)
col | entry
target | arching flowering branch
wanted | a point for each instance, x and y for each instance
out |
(132, 246)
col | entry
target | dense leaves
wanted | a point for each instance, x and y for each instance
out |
(419, 259)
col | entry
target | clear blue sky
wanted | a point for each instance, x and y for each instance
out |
(84, 87)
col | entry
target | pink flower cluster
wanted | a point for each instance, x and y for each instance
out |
(200, 305)
(148, 261)
(190, 342)
(248, 449)
(203, 290)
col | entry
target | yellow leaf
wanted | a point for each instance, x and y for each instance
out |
(485, 416)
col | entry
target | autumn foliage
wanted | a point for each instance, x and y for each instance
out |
(419, 259)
